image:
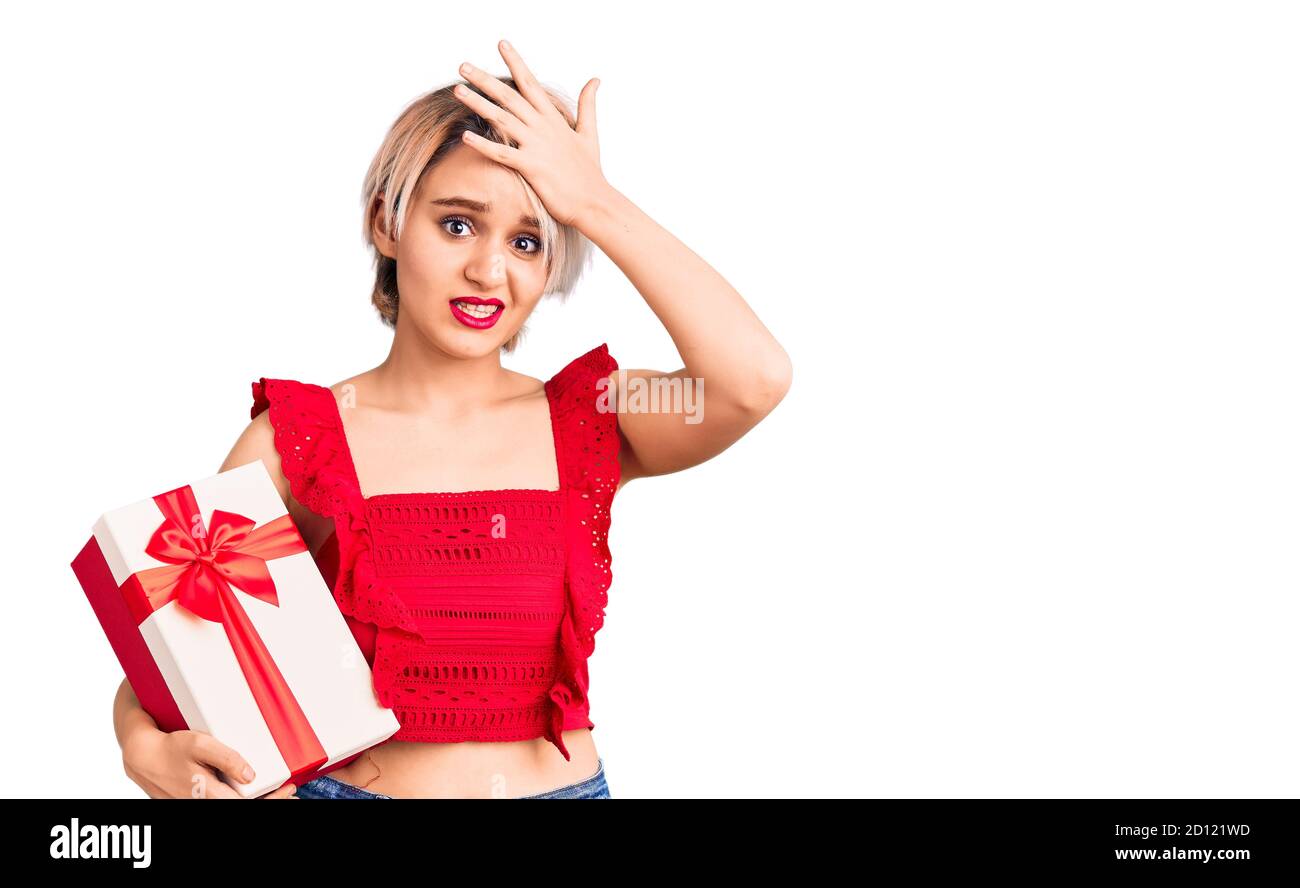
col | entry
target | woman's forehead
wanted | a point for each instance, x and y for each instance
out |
(464, 173)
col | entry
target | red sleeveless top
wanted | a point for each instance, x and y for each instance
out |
(476, 611)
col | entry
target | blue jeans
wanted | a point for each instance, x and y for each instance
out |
(326, 787)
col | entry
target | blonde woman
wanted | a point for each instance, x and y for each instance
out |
(459, 510)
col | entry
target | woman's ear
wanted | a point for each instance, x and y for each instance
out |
(384, 242)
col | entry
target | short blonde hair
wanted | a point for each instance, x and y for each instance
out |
(426, 130)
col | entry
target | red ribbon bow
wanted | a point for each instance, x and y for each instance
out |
(201, 569)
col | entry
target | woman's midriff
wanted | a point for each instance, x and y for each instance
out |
(471, 770)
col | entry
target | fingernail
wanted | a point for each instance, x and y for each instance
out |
(505, 44)
(248, 773)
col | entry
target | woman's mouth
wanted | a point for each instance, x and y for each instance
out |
(477, 313)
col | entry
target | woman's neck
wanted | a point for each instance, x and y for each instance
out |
(417, 377)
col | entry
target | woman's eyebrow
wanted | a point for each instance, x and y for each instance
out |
(479, 207)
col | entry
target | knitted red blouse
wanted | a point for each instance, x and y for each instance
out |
(476, 611)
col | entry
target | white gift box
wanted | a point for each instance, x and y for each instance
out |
(184, 668)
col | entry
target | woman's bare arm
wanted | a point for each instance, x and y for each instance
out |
(744, 371)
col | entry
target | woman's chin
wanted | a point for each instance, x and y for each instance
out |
(466, 343)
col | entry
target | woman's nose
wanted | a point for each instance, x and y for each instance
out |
(487, 267)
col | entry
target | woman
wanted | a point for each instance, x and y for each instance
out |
(479, 634)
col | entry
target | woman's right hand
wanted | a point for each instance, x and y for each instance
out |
(185, 765)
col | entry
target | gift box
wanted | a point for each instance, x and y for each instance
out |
(223, 623)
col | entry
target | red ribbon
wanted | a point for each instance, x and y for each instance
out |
(201, 569)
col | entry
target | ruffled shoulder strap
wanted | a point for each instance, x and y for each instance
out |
(313, 452)
(585, 425)
(315, 458)
(586, 444)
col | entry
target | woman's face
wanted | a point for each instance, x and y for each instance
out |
(469, 264)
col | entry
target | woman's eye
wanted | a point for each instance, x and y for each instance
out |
(463, 227)
(454, 220)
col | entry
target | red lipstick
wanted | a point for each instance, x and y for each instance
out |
(473, 320)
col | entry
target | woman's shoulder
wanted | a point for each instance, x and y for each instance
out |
(523, 387)
(345, 391)
(295, 429)
(290, 415)
(585, 369)
(298, 394)
(257, 442)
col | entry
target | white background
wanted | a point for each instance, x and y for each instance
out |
(1025, 524)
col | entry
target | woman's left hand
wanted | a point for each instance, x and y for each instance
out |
(560, 163)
